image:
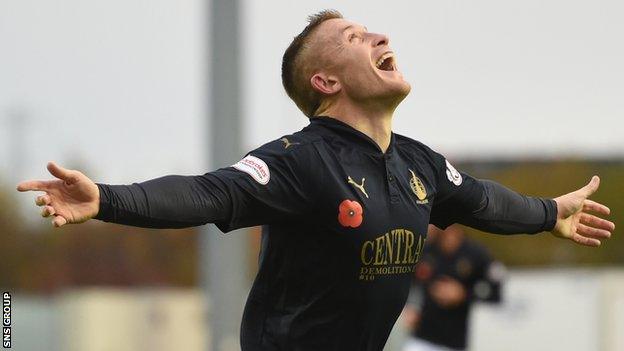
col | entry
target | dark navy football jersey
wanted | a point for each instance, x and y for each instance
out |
(344, 225)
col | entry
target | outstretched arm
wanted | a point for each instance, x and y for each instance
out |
(491, 207)
(171, 201)
(265, 187)
(166, 202)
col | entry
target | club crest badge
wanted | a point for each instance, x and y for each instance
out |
(418, 188)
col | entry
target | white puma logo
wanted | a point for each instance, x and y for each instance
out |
(359, 186)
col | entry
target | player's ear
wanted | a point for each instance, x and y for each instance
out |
(325, 84)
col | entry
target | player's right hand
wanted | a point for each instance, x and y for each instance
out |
(71, 198)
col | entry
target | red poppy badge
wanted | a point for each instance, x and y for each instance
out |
(350, 213)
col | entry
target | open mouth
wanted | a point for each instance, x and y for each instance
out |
(386, 62)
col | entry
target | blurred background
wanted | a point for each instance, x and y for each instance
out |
(526, 93)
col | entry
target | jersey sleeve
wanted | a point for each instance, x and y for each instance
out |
(271, 184)
(486, 205)
(288, 191)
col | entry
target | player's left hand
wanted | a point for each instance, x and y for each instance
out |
(574, 221)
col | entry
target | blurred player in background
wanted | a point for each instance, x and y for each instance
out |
(453, 273)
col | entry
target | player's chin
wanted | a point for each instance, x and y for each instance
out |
(391, 98)
(395, 84)
(397, 89)
(404, 88)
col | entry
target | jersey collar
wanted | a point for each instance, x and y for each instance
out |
(351, 135)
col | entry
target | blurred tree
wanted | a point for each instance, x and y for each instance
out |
(43, 259)
(11, 237)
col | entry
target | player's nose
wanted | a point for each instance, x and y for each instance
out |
(380, 39)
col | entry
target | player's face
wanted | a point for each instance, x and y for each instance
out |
(362, 62)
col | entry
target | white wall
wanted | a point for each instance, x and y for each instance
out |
(554, 310)
(133, 320)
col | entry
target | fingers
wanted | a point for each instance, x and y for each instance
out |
(597, 222)
(593, 206)
(33, 185)
(47, 211)
(61, 173)
(59, 221)
(591, 229)
(43, 185)
(43, 200)
(591, 187)
(582, 240)
(592, 232)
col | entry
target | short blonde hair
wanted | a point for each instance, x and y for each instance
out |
(295, 66)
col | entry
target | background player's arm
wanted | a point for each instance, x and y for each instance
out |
(491, 207)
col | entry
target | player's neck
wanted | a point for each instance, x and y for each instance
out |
(376, 124)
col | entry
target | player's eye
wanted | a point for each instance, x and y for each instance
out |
(353, 36)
